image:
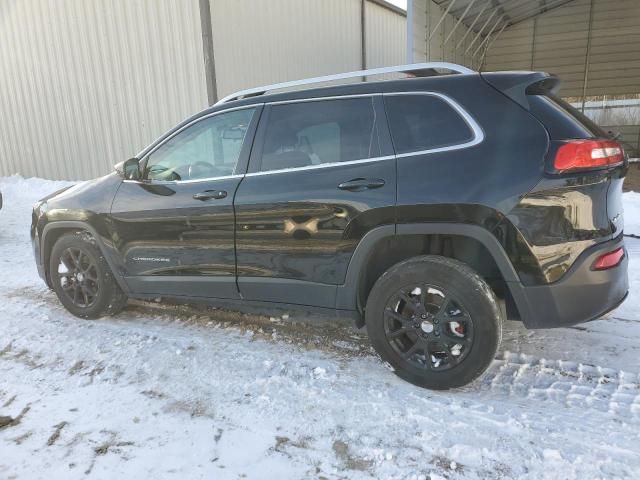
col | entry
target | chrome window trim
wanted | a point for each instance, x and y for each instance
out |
(195, 180)
(469, 120)
(478, 133)
(165, 140)
(319, 166)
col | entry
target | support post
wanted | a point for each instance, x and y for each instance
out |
(207, 51)
(410, 20)
(363, 36)
(585, 79)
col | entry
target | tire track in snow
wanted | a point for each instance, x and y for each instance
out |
(575, 385)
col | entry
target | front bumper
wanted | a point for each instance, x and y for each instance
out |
(35, 244)
(579, 296)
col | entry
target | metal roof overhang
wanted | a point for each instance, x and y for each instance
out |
(487, 16)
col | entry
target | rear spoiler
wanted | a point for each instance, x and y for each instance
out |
(517, 85)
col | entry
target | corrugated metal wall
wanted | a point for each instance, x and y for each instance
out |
(386, 37)
(593, 45)
(257, 43)
(426, 15)
(86, 84)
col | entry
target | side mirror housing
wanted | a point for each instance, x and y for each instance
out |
(129, 169)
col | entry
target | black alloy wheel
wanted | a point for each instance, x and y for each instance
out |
(78, 276)
(435, 321)
(428, 327)
(82, 279)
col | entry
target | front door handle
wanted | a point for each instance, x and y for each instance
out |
(360, 184)
(210, 194)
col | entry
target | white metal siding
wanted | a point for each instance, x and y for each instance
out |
(562, 42)
(79, 81)
(386, 37)
(258, 42)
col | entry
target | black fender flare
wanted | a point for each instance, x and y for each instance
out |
(78, 225)
(348, 293)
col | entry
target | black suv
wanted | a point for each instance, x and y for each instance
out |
(428, 209)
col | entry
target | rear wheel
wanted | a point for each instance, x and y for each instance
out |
(82, 279)
(435, 321)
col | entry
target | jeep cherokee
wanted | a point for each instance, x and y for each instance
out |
(427, 208)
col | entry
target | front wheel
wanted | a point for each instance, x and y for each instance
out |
(435, 321)
(82, 279)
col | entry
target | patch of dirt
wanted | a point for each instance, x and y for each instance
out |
(446, 464)
(349, 461)
(112, 445)
(6, 421)
(21, 438)
(6, 349)
(56, 433)
(195, 408)
(77, 367)
(282, 443)
(153, 394)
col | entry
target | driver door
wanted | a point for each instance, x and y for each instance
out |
(174, 228)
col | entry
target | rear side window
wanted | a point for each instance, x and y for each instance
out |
(309, 133)
(424, 122)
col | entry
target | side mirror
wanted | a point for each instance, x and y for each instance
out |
(129, 169)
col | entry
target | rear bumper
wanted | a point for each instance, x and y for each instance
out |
(579, 296)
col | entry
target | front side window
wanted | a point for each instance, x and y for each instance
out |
(424, 122)
(209, 148)
(318, 132)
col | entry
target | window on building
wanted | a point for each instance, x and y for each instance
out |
(317, 132)
(424, 122)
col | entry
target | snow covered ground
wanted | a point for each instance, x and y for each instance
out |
(172, 392)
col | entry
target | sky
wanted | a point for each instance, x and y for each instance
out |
(399, 3)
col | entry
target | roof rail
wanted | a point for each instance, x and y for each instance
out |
(251, 92)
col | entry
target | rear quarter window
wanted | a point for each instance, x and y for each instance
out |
(424, 122)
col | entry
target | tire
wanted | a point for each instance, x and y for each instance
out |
(88, 290)
(441, 345)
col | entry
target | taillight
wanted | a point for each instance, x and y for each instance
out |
(586, 154)
(609, 260)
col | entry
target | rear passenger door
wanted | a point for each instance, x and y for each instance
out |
(321, 175)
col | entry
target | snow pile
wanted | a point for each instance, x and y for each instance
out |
(180, 393)
(632, 213)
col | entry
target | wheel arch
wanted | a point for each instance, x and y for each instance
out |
(394, 243)
(52, 232)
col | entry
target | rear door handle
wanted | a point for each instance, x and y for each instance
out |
(210, 195)
(360, 184)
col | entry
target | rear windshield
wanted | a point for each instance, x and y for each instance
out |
(562, 120)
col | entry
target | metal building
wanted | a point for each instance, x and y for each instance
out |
(85, 84)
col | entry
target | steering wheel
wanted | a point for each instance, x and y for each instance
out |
(160, 172)
(202, 170)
